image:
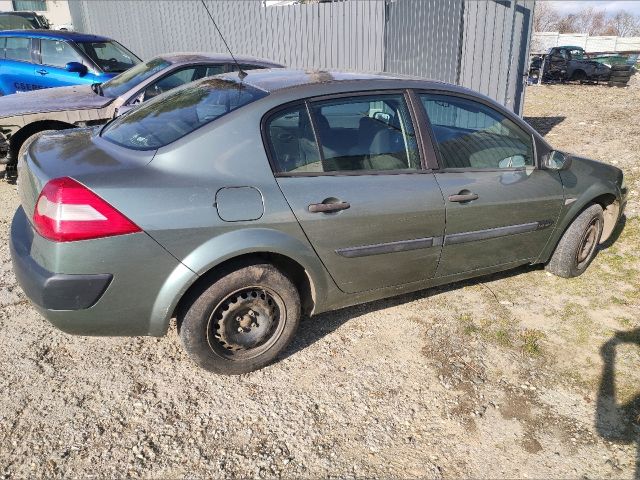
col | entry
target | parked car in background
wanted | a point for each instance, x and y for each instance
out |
(37, 59)
(13, 22)
(36, 20)
(572, 63)
(25, 116)
(239, 204)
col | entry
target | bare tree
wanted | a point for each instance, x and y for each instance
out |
(545, 17)
(623, 24)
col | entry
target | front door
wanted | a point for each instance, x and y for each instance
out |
(500, 207)
(356, 185)
(52, 72)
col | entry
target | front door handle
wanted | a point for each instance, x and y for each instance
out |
(463, 197)
(328, 207)
(42, 71)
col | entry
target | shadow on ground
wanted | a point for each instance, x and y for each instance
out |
(313, 329)
(543, 125)
(618, 422)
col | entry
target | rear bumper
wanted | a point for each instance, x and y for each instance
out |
(48, 290)
(120, 286)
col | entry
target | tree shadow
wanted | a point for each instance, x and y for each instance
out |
(313, 329)
(543, 125)
(618, 422)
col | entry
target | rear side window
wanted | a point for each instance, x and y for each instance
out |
(356, 134)
(179, 112)
(472, 135)
(18, 48)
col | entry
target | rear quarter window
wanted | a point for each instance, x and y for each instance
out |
(179, 112)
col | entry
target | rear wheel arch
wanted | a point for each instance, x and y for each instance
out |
(18, 138)
(298, 275)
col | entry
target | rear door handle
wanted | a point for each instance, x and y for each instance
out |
(42, 71)
(463, 197)
(328, 207)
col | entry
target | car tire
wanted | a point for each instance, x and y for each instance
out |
(579, 76)
(617, 83)
(242, 321)
(579, 244)
(620, 75)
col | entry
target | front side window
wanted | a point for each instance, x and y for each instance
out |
(471, 135)
(58, 53)
(109, 56)
(18, 48)
(172, 116)
(134, 76)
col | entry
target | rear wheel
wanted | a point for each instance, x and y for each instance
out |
(242, 321)
(579, 244)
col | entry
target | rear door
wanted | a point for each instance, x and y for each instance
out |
(17, 73)
(350, 168)
(500, 207)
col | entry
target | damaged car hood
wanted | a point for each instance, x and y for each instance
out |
(77, 97)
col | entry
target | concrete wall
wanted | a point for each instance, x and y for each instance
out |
(543, 41)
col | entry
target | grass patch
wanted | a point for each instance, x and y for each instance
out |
(531, 339)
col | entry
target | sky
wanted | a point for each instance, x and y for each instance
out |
(571, 6)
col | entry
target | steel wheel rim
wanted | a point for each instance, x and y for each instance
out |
(588, 242)
(246, 323)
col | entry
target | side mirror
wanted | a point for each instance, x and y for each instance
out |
(76, 67)
(556, 160)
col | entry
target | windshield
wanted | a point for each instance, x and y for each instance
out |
(179, 112)
(132, 77)
(109, 56)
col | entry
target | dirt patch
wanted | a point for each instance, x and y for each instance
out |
(496, 377)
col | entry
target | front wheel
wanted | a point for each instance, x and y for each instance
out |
(242, 321)
(579, 244)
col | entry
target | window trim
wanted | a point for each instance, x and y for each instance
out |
(308, 101)
(505, 113)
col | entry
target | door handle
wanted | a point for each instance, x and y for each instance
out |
(328, 207)
(42, 71)
(463, 197)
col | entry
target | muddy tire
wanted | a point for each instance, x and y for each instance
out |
(617, 84)
(620, 75)
(579, 244)
(242, 321)
(579, 75)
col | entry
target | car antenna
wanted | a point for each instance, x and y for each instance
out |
(241, 73)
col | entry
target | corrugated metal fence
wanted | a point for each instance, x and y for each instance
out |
(479, 44)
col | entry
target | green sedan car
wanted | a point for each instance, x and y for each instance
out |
(237, 204)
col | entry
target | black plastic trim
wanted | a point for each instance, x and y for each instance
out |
(391, 247)
(465, 237)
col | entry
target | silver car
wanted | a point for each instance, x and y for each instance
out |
(26, 116)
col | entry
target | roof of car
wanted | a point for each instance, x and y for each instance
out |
(55, 34)
(193, 57)
(271, 80)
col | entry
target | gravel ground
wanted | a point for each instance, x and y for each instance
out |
(496, 377)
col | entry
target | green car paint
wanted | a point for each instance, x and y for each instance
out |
(211, 196)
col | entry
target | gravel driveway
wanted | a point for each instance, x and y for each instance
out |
(496, 377)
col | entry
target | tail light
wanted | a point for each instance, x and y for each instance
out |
(68, 211)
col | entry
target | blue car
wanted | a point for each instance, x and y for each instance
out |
(37, 59)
